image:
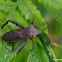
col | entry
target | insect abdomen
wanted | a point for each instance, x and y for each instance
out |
(16, 35)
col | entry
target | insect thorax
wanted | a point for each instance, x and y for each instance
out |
(33, 31)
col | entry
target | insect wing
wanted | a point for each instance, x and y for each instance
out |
(16, 35)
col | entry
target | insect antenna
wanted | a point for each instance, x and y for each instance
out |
(49, 24)
(42, 25)
(53, 21)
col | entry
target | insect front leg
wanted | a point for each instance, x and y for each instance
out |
(12, 21)
(32, 49)
(19, 46)
(33, 46)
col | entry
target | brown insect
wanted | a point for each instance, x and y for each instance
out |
(22, 34)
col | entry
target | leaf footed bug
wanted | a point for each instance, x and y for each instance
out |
(22, 34)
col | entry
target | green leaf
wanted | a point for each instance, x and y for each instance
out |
(7, 6)
(30, 11)
(5, 54)
(47, 47)
(55, 4)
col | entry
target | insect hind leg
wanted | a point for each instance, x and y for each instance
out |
(19, 46)
(14, 22)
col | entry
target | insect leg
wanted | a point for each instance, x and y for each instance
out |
(33, 22)
(12, 21)
(42, 25)
(19, 46)
(43, 39)
(51, 44)
(33, 44)
(10, 44)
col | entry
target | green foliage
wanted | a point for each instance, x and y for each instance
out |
(22, 11)
(56, 4)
